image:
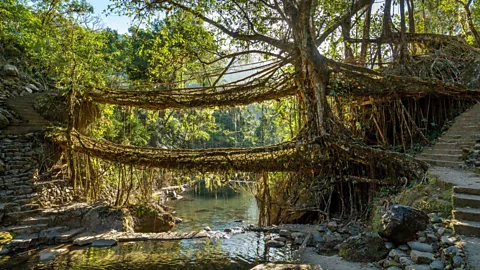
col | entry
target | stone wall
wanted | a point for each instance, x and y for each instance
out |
(19, 159)
(53, 193)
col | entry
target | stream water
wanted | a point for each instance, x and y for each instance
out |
(219, 208)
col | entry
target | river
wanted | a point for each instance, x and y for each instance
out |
(218, 208)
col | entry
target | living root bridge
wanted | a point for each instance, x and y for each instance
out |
(302, 157)
(347, 80)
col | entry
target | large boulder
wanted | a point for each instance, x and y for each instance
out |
(103, 218)
(152, 218)
(365, 247)
(401, 223)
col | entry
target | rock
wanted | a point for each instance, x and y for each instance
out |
(390, 263)
(434, 218)
(298, 240)
(280, 239)
(103, 218)
(420, 247)
(389, 245)
(208, 229)
(274, 266)
(153, 218)
(403, 248)
(178, 220)
(28, 90)
(457, 261)
(285, 233)
(396, 254)
(366, 247)
(421, 257)
(405, 261)
(104, 243)
(418, 267)
(437, 265)
(10, 70)
(401, 223)
(422, 239)
(33, 87)
(297, 234)
(332, 226)
(431, 237)
(394, 268)
(449, 253)
(275, 244)
(448, 240)
(50, 254)
(440, 232)
(4, 251)
(228, 230)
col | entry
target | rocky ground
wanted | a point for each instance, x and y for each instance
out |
(429, 244)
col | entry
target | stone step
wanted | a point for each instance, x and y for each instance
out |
(428, 151)
(35, 220)
(22, 214)
(68, 235)
(23, 242)
(441, 163)
(448, 146)
(466, 200)
(26, 229)
(442, 157)
(466, 190)
(30, 206)
(469, 228)
(472, 214)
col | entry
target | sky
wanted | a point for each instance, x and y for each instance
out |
(119, 23)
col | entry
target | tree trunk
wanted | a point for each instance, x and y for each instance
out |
(387, 19)
(470, 22)
(346, 27)
(311, 68)
(366, 34)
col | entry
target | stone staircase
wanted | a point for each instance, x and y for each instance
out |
(31, 120)
(445, 158)
(447, 152)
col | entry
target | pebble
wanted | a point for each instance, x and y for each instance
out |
(281, 239)
(296, 235)
(405, 261)
(275, 244)
(389, 245)
(422, 239)
(440, 232)
(285, 233)
(207, 228)
(437, 265)
(434, 218)
(418, 267)
(457, 261)
(448, 240)
(104, 243)
(421, 247)
(403, 247)
(394, 268)
(332, 225)
(396, 254)
(50, 254)
(421, 257)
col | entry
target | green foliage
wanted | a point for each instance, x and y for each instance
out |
(428, 198)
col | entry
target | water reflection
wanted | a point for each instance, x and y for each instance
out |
(220, 208)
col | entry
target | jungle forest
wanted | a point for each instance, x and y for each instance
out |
(320, 106)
